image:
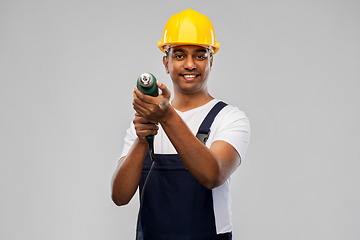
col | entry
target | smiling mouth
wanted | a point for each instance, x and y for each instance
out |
(189, 77)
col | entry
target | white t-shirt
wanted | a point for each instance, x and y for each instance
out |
(230, 125)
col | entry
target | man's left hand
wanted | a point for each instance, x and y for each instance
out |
(152, 108)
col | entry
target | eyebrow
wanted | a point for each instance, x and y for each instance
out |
(183, 51)
(201, 50)
(178, 50)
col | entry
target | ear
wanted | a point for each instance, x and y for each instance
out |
(211, 60)
(166, 63)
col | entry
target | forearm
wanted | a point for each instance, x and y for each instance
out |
(127, 175)
(204, 165)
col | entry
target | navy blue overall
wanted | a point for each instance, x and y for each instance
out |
(176, 206)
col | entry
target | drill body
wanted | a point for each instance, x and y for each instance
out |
(146, 83)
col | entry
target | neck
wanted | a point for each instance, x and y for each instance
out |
(185, 102)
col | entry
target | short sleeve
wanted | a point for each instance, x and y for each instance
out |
(129, 140)
(233, 127)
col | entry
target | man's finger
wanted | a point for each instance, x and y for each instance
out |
(165, 91)
(143, 97)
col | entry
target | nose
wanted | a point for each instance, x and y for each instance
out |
(189, 63)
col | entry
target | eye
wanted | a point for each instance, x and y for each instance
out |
(202, 56)
(178, 56)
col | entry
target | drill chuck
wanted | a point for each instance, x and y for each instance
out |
(146, 83)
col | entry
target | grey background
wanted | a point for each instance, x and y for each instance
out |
(68, 69)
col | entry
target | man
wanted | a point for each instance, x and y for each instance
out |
(187, 196)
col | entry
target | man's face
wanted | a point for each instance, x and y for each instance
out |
(189, 67)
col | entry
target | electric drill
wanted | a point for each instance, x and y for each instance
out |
(146, 83)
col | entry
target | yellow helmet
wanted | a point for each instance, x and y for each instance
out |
(189, 27)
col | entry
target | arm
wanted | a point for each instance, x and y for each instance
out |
(127, 175)
(211, 167)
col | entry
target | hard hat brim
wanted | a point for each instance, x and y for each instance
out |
(162, 46)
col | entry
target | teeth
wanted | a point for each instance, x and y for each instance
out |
(189, 76)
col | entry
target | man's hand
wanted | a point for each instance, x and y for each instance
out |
(144, 127)
(152, 108)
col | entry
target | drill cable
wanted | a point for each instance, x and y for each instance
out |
(152, 157)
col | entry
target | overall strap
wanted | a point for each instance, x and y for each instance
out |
(204, 129)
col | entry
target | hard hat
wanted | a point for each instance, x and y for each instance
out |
(189, 27)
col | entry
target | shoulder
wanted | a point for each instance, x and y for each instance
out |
(232, 126)
(230, 114)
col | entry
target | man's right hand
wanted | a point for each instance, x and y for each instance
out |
(144, 127)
